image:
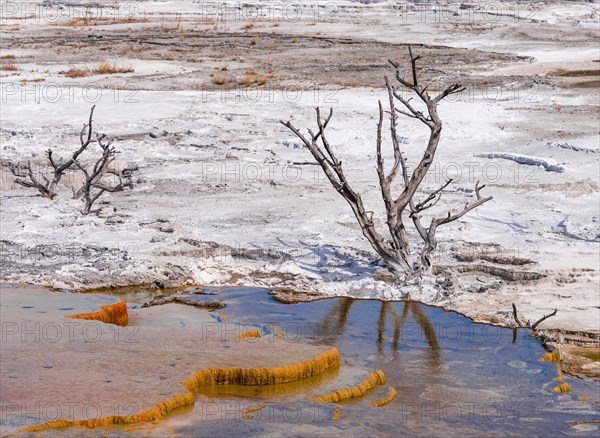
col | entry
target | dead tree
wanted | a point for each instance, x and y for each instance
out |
(528, 324)
(26, 175)
(94, 186)
(395, 249)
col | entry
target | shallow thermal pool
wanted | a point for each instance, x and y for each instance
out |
(453, 377)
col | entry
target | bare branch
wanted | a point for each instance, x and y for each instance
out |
(542, 319)
(414, 113)
(413, 62)
(423, 205)
(516, 317)
(528, 324)
(399, 160)
(452, 89)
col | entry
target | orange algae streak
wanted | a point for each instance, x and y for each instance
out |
(110, 314)
(337, 414)
(253, 409)
(563, 388)
(372, 380)
(250, 334)
(385, 400)
(211, 376)
(553, 357)
(559, 373)
(277, 332)
(264, 376)
(152, 414)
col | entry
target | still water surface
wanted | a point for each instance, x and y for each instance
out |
(453, 377)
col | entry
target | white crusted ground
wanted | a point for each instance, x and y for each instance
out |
(213, 169)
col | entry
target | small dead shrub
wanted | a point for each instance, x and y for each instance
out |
(219, 79)
(251, 77)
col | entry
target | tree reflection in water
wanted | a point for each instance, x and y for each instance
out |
(335, 321)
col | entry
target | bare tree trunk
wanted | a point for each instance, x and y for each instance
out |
(395, 250)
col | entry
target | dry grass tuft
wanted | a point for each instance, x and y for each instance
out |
(8, 57)
(76, 73)
(8, 67)
(107, 69)
(251, 77)
(247, 80)
(260, 80)
(219, 79)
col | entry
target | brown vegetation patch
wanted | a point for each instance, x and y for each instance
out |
(76, 73)
(582, 361)
(103, 21)
(587, 84)
(107, 69)
(574, 73)
(304, 61)
(251, 77)
(8, 67)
